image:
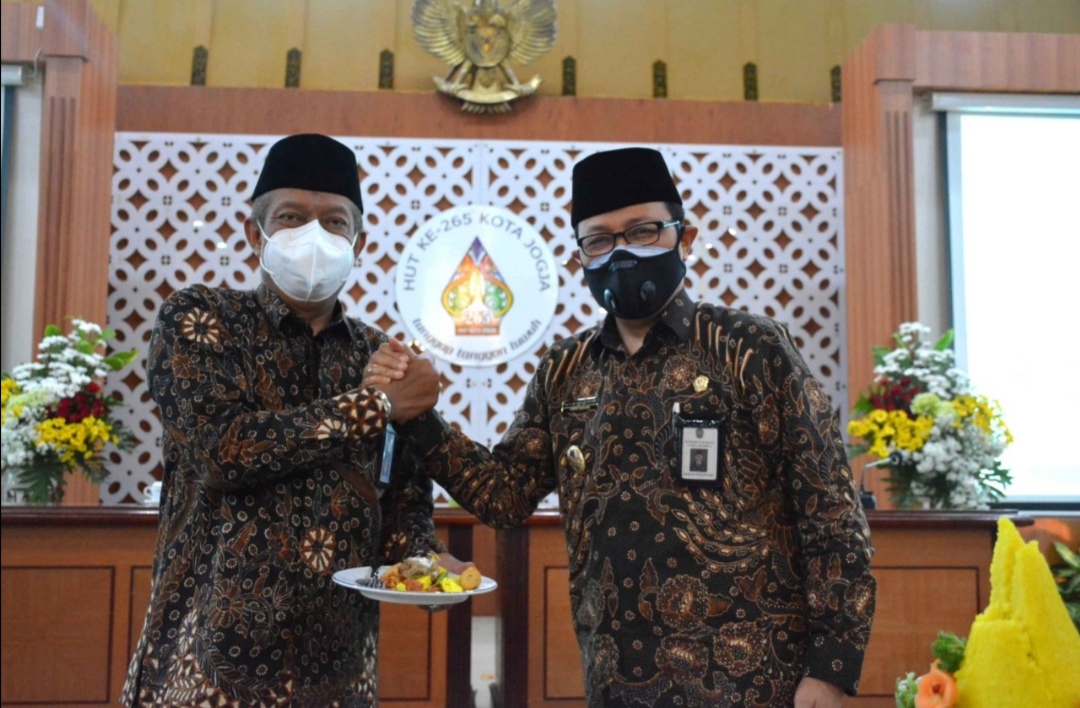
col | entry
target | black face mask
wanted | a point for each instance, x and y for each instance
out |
(635, 287)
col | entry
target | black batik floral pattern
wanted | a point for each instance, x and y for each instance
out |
(269, 453)
(695, 595)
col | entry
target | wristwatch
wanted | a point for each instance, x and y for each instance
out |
(386, 405)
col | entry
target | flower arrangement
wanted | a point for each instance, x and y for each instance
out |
(56, 417)
(942, 440)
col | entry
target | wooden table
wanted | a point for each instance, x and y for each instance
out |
(76, 584)
(932, 568)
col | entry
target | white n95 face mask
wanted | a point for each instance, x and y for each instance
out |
(308, 263)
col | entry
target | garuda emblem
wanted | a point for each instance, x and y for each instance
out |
(479, 42)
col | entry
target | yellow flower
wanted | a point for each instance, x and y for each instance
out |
(9, 389)
(73, 440)
(879, 448)
(860, 428)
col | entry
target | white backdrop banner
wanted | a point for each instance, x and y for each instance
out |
(771, 242)
(477, 285)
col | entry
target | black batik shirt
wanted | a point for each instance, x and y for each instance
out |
(270, 452)
(722, 594)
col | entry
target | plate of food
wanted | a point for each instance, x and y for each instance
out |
(415, 581)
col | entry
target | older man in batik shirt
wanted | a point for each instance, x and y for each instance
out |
(742, 581)
(270, 449)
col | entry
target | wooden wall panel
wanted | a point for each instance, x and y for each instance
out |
(484, 557)
(141, 579)
(405, 648)
(259, 111)
(76, 585)
(554, 677)
(20, 39)
(56, 644)
(563, 677)
(921, 603)
(997, 62)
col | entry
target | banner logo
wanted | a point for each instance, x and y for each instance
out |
(478, 285)
(477, 297)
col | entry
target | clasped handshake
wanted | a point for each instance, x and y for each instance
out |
(407, 376)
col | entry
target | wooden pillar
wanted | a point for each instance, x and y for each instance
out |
(879, 228)
(878, 184)
(78, 55)
(78, 123)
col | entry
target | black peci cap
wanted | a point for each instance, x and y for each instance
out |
(608, 181)
(313, 162)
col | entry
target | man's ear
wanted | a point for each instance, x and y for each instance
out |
(689, 235)
(361, 239)
(254, 236)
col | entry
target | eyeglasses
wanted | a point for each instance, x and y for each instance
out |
(637, 235)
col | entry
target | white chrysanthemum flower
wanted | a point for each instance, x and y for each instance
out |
(85, 327)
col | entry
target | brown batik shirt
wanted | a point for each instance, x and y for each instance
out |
(722, 594)
(270, 451)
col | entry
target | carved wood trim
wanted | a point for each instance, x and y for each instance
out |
(187, 109)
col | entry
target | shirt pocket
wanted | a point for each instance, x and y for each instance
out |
(701, 401)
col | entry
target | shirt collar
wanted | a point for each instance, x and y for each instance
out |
(677, 318)
(273, 306)
(277, 311)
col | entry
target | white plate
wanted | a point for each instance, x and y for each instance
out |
(356, 579)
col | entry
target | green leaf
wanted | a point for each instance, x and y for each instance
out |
(862, 407)
(119, 360)
(879, 354)
(43, 481)
(53, 331)
(107, 334)
(906, 690)
(949, 651)
(945, 341)
(1068, 556)
(854, 451)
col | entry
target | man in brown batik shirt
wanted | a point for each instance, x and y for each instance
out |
(271, 453)
(718, 554)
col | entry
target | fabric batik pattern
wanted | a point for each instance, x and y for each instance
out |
(721, 594)
(270, 449)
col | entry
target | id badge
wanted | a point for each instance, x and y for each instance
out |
(387, 462)
(700, 449)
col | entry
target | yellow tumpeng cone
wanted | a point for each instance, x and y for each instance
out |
(1023, 651)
